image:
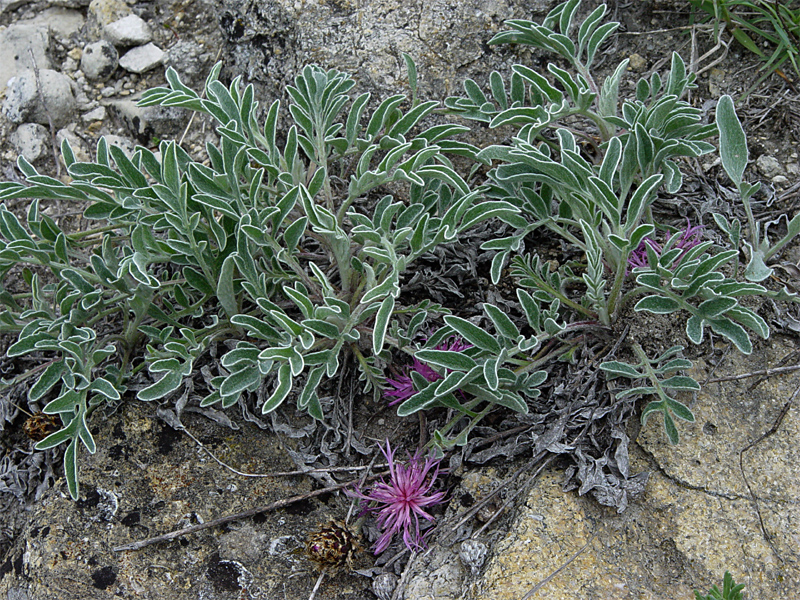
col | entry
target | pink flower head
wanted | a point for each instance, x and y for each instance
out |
(404, 386)
(690, 237)
(638, 257)
(402, 500)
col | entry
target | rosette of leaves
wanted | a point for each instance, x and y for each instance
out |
(278, 244)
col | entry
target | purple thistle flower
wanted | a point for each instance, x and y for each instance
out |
(404, 386)
(690, 237)
(638, 257)
(401, 501)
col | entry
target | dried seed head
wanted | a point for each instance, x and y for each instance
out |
(332, 546)
(39, 425)
(473, 554)
(383, 585)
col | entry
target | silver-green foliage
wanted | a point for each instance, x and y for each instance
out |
(269, 244)
(599, 202)
(734, 155)
(602, 207)
(654, 377)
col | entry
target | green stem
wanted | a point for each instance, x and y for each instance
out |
(611, 303)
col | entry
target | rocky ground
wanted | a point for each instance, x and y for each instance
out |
(72, 70)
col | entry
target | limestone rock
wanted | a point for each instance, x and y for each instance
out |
(17, 43)
(142, 58)
(31, 140)
(96, 114)
(61, 21)
(128, 31)
(99, 61)
(105, 12)
(191, 60)
(768, 166)
(696, 519)
(24, 103)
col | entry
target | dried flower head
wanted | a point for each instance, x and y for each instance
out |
(403, 385)
(384, 585)
(39, 425)
(473, 554)
(332, 546)
(402, 500)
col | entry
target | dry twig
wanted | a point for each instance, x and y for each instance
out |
(544, 581)
(236, 517)
(762, 372)
(40, 93)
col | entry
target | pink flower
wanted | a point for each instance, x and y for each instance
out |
(690, 237)
(404, 386)
(401, 501)
(638, 257)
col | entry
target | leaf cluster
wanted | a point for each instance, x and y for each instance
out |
(273, 244)
(730, 590)
(657, 377)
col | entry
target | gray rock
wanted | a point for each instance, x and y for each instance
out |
(63, 22)
(10, 5)
(142, 58)
(54, 102)
(272, 41)
(96, 114)
(17, 43)
(438, 575)
(128, 31)
(768, 166)
(99, 60)
(79, 147)
(31, 141)
(146, 122)
(104, 12)
(191, 60)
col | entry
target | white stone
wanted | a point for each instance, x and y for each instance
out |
(63, 22)
(99, 60)
(128, 31)
(103, 12)
(96, 114)
(17, 43)
(30, 140)
(25, 103)
(142, 58)
(768, 166)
